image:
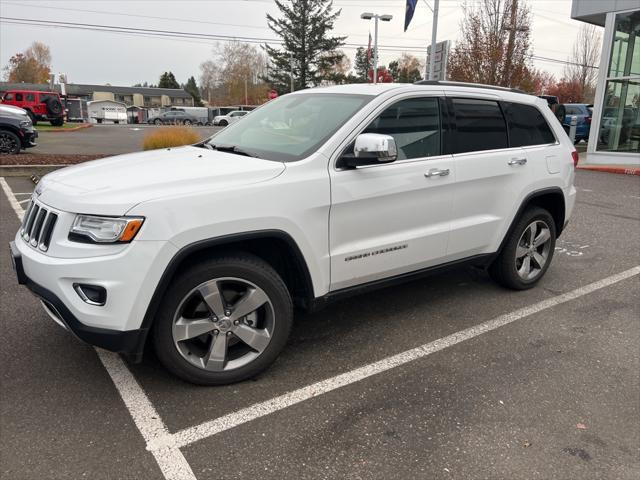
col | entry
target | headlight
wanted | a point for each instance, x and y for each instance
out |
(25, 123)
(92, 229)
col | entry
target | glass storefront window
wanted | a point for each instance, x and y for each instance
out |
(625, 52)
(620, 121)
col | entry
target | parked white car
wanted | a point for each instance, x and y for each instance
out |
(229, 118)
(204, 250)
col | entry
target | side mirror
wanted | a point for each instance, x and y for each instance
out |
(375, 146)
(370, 149)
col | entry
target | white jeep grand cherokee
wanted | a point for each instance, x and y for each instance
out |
(204, 250)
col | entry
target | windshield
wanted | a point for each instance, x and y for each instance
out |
(290, 127)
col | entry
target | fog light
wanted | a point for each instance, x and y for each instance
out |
(91, 294)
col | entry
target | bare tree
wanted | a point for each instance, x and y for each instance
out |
(494, 47)
(583, 62)
(234, 74)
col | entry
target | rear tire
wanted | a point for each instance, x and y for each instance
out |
(522, 263)
(226, 281)
(223, 123)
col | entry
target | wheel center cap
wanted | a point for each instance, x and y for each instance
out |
(224, 324)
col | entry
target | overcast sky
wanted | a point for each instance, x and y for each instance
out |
(101, 57)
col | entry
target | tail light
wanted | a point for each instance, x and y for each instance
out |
(575, 157)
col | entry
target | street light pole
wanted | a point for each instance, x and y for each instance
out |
(384, 18)
(375, 51)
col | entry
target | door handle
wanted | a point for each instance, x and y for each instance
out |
(517, 161)
(436, 172)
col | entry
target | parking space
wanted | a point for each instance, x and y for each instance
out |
(495, 384)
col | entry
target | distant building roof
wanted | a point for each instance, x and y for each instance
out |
(85, 89)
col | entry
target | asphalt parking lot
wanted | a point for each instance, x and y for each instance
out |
(102, 139)
(490, 384)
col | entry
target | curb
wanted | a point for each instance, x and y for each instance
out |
(620, 170)
(27, 170)
(65, 130)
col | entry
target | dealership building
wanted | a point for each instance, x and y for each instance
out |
(615, 128)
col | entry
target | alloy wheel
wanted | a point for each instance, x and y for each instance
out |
(223, 324)
(8, 143)
(533, 249)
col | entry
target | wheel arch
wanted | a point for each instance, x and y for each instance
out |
(551, 199)
(275, 247)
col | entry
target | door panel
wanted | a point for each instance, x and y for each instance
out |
(389, 219)
(487, 186)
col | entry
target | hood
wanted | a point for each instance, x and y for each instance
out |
(112, 186)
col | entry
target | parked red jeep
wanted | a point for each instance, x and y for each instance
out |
(39, 105)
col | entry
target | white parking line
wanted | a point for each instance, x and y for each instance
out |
(193, 434)
(170, 459)
(13, 201)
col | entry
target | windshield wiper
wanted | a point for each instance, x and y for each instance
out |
(233, 149)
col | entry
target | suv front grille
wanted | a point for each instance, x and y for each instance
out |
(37, 226)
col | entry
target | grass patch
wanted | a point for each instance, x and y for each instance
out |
(170, 137)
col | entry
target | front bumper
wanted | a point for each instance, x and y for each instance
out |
(129, 342)
(29, 138)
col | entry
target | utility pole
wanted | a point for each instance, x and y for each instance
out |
(506, 76)
(246, 97)
(434, 34)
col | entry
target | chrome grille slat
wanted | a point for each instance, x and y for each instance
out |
(29, 228)
(47, 231)
(37, 227)
(25, 217)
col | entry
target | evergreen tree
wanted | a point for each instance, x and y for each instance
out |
(192, 89)
(304, 27)
(167, 80)
(362, 64)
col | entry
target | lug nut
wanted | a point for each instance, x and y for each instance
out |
(237, 322)
(228, 333)
(215, 332)
(227, 313)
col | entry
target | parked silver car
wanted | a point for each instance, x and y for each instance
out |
(224, 120)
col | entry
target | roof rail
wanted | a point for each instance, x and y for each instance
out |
(465, 84)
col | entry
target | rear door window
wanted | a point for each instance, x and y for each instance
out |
(18, 97)
(527, 125)
(415, 126)
(31, 97)
(479, 125)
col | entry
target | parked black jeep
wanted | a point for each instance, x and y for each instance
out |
(16, 130)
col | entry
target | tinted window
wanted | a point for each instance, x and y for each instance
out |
(8, 96)
(480, 125)
(414, 124)
(31, 97)
(527, 126)
(19, 97)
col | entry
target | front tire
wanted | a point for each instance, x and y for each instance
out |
(528, 251)
(9, 143)
(223, 320)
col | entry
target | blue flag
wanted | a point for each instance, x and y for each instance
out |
(408, 14)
